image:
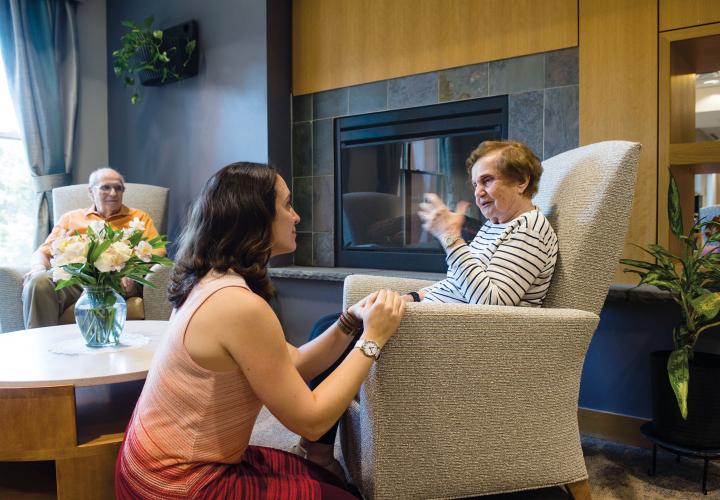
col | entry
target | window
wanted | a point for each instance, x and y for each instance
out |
(17, 217)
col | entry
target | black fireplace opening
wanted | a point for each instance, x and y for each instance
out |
(385, 162)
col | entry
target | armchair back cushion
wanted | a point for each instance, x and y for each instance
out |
(587, 194)
(151, 199)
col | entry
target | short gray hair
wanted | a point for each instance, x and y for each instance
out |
(95, 174)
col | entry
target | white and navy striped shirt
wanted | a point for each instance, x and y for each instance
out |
(506, 264)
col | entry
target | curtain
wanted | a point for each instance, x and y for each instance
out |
(38, 39)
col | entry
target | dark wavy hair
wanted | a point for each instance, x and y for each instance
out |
(230, 228)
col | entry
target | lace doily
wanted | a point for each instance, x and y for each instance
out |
(76, 346)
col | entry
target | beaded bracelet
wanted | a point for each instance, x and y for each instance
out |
(348, 324)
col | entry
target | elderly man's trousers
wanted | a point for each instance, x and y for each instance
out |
(42, 304)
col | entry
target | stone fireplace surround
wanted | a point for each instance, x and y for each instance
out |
(543, 112)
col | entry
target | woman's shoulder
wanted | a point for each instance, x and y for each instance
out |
(535, 222)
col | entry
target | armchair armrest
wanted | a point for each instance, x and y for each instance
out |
(155, 300)
(471, 399)
(11, 285)
(358, 286)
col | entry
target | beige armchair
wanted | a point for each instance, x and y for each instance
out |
(152, 305)
(476, 400)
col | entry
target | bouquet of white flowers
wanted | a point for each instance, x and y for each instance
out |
(98, 260)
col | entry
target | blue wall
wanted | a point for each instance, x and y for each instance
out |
(179, 134)
(616, 375)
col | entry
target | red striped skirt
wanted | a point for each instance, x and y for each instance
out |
(264, 473)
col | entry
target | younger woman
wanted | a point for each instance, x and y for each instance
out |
(225, 355)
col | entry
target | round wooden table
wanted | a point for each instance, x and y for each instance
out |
(71, 408)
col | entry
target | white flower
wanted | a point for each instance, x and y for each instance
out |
(136, 224)
(70, 250)
(114, 258)
(58, 273)
(144, 251)
(126, 233)
(98, 227)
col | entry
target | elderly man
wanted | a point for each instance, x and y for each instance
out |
(42, 304)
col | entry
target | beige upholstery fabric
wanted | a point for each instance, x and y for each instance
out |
(154, 305)
(151, 199)
(474, 400)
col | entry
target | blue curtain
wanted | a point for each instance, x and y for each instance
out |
(38, 40)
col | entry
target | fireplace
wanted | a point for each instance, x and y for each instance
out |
(385, 162)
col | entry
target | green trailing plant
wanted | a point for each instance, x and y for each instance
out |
(693, 280)
(144, 49)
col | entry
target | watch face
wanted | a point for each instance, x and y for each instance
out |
(371, 349)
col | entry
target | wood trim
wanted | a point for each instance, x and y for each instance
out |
(618, 99)
(694, 153)
(672, 63)
(681, 13)
(612, 427)
(348, 42)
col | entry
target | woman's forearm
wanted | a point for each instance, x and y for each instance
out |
(314, 357)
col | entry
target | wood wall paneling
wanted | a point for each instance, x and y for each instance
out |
(337, 43)
(676, 14)
(618, 97)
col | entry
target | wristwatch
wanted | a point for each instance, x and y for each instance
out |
(369, 348)
(448, 240)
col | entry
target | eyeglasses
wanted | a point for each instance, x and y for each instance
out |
(106, 188)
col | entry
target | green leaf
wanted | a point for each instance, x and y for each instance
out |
(134, 98)
(679, 376)
(190, 46)
(128, 24)
(674, 211)
(158, 34)
(148, 22)
(92, 257)
(63, 283)
(638, 263)
(708, 305)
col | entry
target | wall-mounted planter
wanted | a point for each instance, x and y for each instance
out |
(178, 37)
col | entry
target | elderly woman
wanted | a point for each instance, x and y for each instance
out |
(512, 258)
(510, 261)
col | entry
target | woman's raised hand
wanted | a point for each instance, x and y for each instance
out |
(383, 316)
(437, 217)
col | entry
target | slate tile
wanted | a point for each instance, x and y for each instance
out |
(323, 147)
(302, 108)
(411, 91)
(302, 149)
(561, 120)
(368, 98)
(525, 119)
(330, 104)
(303, 201)
(303, 252)
(323, 203)
(519, 74)
(323, 253)
(561, 67)
(466, 82)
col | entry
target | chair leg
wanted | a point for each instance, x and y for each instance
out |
(580, 490)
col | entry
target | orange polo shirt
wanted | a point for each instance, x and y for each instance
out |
(80, 219)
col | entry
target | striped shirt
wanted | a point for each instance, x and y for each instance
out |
(507, 264)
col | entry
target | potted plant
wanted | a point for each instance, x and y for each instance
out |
(693, 280)
(155, 57)
(97, 261)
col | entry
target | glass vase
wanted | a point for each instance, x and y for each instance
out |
(100, 314)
